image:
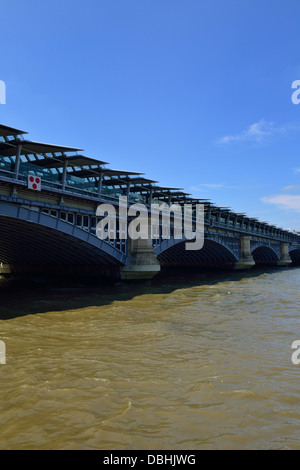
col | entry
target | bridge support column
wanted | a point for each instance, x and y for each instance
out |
(246, 260)
(142, 262)
(5, 269)
(285, 259)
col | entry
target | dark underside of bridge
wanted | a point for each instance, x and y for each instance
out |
(216, 256)
(212, 255)
(264, 256)
(295, 257)
(31, 248)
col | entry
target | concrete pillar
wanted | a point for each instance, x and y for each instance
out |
(100, 184)
(64, 176)
(128, 190)
(285, 259)
(5, 269)
(246, 260)
(18, 160)
(150, 198)
(142, 260)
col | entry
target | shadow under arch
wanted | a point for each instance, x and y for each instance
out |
(212, 255)
(295, 256)
(265, 256)
(31, 238)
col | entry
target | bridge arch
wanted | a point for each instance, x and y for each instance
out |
(29, 237)
(213, 254)
(265, 255)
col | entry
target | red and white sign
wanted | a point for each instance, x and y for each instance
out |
(34, 182)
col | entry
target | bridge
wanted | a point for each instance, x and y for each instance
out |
(49, 195)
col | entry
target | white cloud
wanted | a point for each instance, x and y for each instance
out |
(292, 187)
(203, 187)
(284, 201)
(258, 132)
(211, 186)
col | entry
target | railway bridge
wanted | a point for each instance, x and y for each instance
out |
(49, 196)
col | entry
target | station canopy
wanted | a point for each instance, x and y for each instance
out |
(10, 148)
(58, 161)
(55, 157)
(6, 131)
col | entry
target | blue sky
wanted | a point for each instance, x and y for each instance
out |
(195, 93)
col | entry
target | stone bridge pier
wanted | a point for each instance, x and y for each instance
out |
(142, 261)
(5, 269)
(285, 259)
(246, 260)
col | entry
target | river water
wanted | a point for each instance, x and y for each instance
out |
(198, 361)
